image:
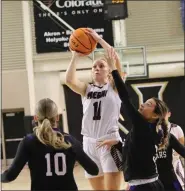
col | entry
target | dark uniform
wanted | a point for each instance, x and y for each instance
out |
(139, 150)
(165, 167)
(50, 169)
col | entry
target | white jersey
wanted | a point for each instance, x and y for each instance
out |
(177, 164)
(178, 133)
(101, 110)
(176, 130)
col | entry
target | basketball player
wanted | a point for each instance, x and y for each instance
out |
(50, 154)
(101, 110)
(177, 131)
(149, 129)
(165, 167)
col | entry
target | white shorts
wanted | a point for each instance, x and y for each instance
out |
(101, 156)
(179, 171)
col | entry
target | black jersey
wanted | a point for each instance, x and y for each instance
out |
(50, 168)
(164, 159)
(139, 150)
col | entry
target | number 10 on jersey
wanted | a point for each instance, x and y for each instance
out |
(56, 170)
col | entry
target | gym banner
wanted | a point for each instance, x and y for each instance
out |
(52, 34)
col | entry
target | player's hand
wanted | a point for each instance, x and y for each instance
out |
(127, 188)
(94, 34)
(111, 58)
(108, 143)
(76, 54)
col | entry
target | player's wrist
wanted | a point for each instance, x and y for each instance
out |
(74, 59)
(114, 71)
(113, 67)
(99, 39)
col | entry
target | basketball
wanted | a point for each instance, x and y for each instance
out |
(82, 42)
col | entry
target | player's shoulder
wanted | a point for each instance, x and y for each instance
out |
(175, 127)
(71, 139)
(76, 146)
(28, 139)
(29, 136)
(89, 86)
(88, 89)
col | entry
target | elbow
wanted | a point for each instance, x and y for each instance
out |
(68, 78)
(5, 178)
(68, 81)
(96, 170)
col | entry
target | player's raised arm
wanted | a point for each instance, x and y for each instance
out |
(134, 115)
(71, 79)
(177, 146)
(105, 46)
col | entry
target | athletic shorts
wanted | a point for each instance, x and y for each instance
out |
(179, 171)
(102, 156)
(173, 185)
(153, 186)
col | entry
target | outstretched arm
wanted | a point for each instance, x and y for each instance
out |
(71, 79)
(87, 163)
(180, 134)
(18, 163)
(105, 46)
(133, 114)
(178, 147)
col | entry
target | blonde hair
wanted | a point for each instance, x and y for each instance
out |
(46, 112)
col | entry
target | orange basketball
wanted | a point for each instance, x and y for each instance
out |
(82, 42)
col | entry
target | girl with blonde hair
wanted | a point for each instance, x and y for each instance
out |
(51, 154)
(101, 111)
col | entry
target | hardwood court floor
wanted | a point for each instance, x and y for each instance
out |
(23, 181)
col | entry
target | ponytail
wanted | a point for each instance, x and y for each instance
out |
(162, 129)
(48, 136)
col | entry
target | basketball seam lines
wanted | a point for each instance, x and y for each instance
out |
(82, 52)
(78, 51)
(80, 42)
(91, 42)
(88, 38)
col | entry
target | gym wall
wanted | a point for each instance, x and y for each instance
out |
(14, 75)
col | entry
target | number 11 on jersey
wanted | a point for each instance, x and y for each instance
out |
(97, 110)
